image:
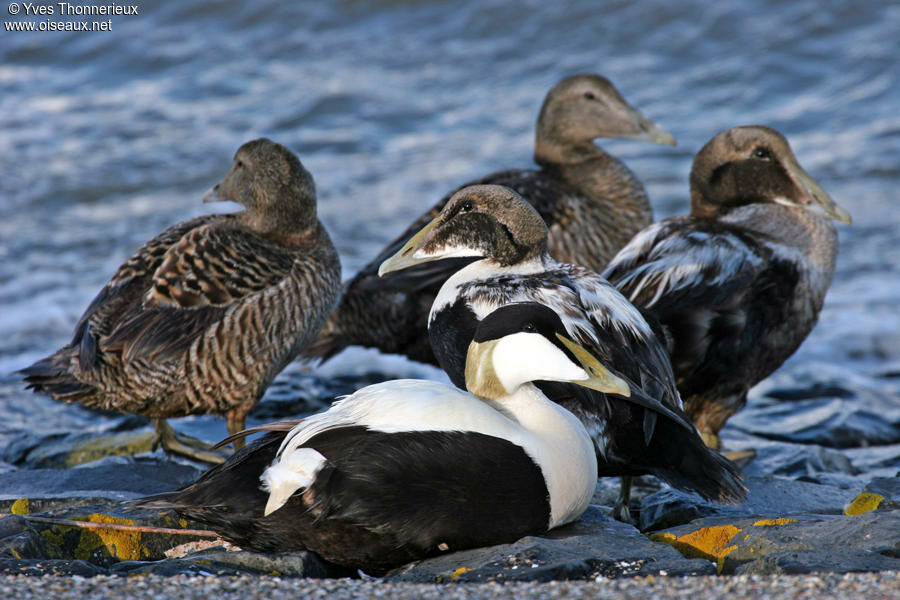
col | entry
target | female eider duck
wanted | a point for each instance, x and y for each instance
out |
(592, 203)
(646, 433)
(405, 469)
(738, 284)
(203, 316)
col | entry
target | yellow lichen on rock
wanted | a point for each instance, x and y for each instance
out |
(710, 543)
(773, 522)
(863, 503)
(20, 507)
(123, 545)
(459, 572)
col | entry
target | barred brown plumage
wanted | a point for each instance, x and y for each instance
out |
(204, 315)
(591, 202)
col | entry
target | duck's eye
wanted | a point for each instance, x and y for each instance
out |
(762, 153)
(467, 207)
(529, 327)
(590, 96)
(239, 163)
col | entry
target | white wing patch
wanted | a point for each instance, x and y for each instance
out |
(292, 472)
(583, 299)
(679, 259)
(479, 270)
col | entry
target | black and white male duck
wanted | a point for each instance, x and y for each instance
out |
(592, 203)
(644, 433)
(406, 469)
(203, 316)
(738, 284)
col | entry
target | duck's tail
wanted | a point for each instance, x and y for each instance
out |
(53, 376)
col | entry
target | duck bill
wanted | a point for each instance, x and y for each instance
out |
(813, 197)
(212, 195)
(599, 377)
(406, 256)
(646, 130)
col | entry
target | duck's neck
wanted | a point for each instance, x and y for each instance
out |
(617, 199)
(549, 152)
(813, 236)
(480, 270)
(560, 445)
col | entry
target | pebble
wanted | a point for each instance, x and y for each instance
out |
(867, 586)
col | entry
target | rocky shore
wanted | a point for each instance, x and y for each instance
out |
(824, 498)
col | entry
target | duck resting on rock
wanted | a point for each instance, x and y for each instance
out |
(406, 469)
(644, 433)
(592, 204)
(203, 316)
(738, 284)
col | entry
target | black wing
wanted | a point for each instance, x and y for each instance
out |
(713, 287)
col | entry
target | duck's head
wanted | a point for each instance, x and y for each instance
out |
(488, 221)
(583, 107)
(754, 164)
(272, 184)
(520, 343)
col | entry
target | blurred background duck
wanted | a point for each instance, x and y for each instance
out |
(406, 469)
(644, 433)
(591, 202)
(204, 315)
(738, 284)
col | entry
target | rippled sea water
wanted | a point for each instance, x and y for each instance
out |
(106, 138)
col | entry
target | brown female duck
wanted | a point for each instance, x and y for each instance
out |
(204, 315)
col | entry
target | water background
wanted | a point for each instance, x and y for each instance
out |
(106, 138)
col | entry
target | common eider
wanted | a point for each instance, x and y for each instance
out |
(738, 284)
(592, 204)
(204, 315)
(406, 469)
(646, 433)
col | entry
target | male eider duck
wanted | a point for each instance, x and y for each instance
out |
(406, 469)
(204, 315)
(738, 284)
(646, 433)
(592, 203)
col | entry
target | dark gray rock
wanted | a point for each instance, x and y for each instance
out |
(12, 525)
(797, 460)
(170, 567)
(42, 567)
(767, 496)
(220, 562)
(73, 449)
(734, 542)
(59, 539)
(888, 488)
(29, 544)
(595, 546)
(119, 479)
(795, 562)
(822, 404)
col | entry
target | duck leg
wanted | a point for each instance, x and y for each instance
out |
(180, 445)
(236, 421)
(620, 510)
(710, 418)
